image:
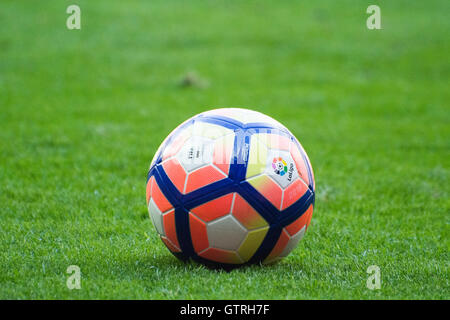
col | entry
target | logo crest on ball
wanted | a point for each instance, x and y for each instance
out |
(279, 166)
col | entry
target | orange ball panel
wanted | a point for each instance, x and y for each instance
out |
(148, 189)
(160, 200)
(202, 177)
(199, 233)
(298, 224)
(176, 173)
(169, 245)
(214, 209)
(293, 192)
(170, 228)
(279, 246)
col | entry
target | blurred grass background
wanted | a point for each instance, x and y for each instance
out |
(83, 111)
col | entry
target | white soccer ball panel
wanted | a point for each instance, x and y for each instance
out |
(197, 152)
(156, 216)
(226, 233)
(281, 167)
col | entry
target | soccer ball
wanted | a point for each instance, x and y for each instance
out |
(230, 187)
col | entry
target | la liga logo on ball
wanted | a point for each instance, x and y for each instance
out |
(279, 166)
(230, 187)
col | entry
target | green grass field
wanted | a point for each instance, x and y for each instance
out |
(83, 111)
